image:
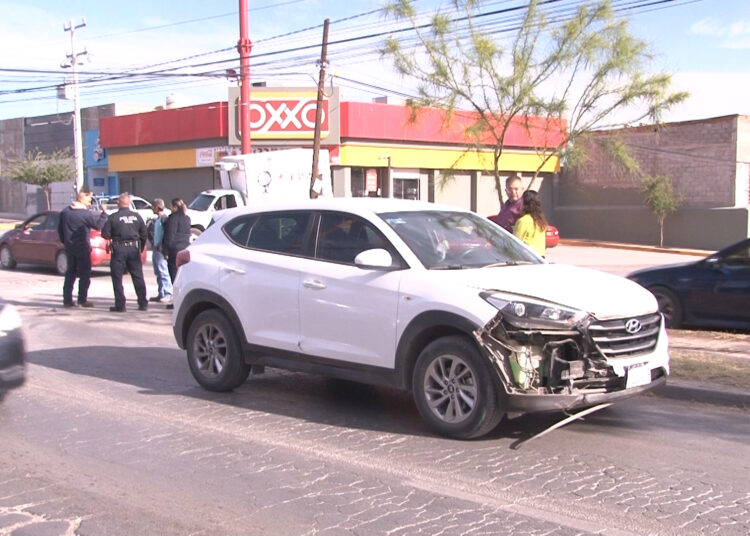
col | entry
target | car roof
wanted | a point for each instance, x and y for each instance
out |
(357, 205)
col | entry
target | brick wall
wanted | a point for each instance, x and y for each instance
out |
(701, 158)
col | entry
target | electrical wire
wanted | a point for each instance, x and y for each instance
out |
(501, 19)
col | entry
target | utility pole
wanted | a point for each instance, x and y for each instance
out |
(244, 47)
(73, 57)
(319, 111)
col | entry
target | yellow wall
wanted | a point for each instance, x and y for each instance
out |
(448, 158)
(152, 160)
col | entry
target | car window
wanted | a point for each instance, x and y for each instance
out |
(140, 204)
(451, 240)
(738, 257)
(238, 229)
(202, 202)
(50, 223)
(341, 237)
(36, 223)
(282, 232)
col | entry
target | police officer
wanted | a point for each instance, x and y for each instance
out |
(128, 234)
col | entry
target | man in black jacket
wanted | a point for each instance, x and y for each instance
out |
(74, 230)
(176, 235)
(128, 234)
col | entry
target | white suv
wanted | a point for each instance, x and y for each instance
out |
(414, 295)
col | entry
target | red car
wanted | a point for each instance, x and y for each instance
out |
(552, 237)
(35, 241)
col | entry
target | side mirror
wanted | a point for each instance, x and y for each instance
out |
(374, 258)
(713, 262)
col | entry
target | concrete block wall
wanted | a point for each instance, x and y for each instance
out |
(700, 157)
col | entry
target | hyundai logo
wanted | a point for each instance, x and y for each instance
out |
(633, 325)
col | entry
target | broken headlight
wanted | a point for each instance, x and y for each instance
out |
(526, 313)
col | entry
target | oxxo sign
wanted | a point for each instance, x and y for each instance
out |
(279, 117)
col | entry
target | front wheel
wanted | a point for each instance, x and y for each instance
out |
(61, 262)
(669, 306)
(6, 258)
(455, 389)
(214, 353)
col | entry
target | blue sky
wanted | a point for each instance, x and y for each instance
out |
(704, 44)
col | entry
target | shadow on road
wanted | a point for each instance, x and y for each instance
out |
(309, 397)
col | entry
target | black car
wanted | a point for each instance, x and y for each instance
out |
(713, 292)
(12, 349)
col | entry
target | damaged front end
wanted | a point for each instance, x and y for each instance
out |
(551, 358)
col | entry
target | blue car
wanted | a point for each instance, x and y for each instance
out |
(713, 292)
(12, 349)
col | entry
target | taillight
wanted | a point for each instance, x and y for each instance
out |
(183, 257)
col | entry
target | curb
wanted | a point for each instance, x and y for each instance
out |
(709, 393)
(633, 247)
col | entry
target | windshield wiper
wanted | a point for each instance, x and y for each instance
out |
(448, 267)
(506, 263)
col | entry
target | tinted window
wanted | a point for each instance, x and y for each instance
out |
(238, 229)
(139, 204)
(281, 232)
(341, 237)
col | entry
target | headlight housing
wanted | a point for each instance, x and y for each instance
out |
(527, 313)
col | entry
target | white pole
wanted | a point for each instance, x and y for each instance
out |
(77, 143)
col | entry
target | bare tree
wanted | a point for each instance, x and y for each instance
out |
(558, 77)
(42, 170)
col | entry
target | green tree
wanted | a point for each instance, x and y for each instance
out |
(661, 198)
(42, 170)
(576, 73)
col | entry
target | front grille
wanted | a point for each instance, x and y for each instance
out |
(612, 339)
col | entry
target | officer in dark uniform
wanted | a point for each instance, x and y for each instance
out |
(127, 232)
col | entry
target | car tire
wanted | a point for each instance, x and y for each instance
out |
(61, 262)
(455, 390)
(6, 258)
(214, 353)
(669, 306)
(195, 232)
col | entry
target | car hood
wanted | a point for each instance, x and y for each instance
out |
(601, 294)
(662, 269)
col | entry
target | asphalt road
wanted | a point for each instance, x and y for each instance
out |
(111, 435)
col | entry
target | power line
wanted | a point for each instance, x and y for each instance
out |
(504, 20)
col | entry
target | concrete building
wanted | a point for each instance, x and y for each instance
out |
(708, 162)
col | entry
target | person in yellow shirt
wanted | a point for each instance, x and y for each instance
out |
(531, 226)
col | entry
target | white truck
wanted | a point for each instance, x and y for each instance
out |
(260, 178)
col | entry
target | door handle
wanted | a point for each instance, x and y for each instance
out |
(233, 270)
(314, 284)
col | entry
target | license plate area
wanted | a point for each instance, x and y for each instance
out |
(638, 375)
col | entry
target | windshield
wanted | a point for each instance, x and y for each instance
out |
(453, 240)
(202, 202)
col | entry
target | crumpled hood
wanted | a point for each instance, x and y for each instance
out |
(598, 293)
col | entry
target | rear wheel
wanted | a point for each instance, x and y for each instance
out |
(669, 306)
(214, 353)
(6, 258)
(61, 262)
(455, 390)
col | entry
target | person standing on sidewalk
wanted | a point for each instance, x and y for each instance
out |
(128, 234)
(158, 259)
(74, 230)
(512, 208)
(531, 227)
(176, 235)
